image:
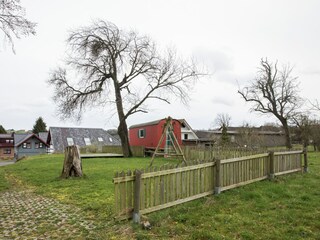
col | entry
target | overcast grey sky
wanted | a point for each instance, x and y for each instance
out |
(229, 37)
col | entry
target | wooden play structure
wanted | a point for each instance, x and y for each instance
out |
(172, 147)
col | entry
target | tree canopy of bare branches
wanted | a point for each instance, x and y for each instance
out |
(274, 91)
(122, 68)
(13, 22)
(223, 120)
(303, 130)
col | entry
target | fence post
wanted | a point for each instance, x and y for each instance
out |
(305, 158)
(217, 187)
(271, 159)
(136, 203)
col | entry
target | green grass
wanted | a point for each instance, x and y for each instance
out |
(94, 191)
(287, 208)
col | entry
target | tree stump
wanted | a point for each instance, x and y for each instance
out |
(72, 166)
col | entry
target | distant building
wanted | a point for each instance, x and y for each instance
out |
(243, 136)
(61, 137)
(28, 145)
(43, 136)
(188, 136)
(114, 133)
(6, 146)
(149, 134)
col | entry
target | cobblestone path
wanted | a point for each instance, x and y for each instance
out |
(24, 215)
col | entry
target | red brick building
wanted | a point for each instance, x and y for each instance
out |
(6, 146)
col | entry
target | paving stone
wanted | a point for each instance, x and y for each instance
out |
(27, 216)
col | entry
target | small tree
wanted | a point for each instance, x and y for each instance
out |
(13, 21)
(274, 92)
(2, 130)
(223, 121)
(225, 140)
(39, 126)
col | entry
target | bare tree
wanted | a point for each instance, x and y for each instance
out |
(275, 92)
(315, 134)
(223, 120)
(315, 105)
(122, 68)
(248, 136)
(13, 22)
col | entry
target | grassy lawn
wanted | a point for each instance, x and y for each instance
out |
(287, 208)
(94, 191)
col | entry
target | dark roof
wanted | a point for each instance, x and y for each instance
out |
(155, 123)
(3, 140)
(145, 124)
(6, 135)
(257, 129)
(21, 138)
(209, 134)
(97, 136)
(114, 133)
(43, 136)
(204, 134)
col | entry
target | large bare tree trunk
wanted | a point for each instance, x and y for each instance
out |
(123, 134)
(287, 133)
(122, 128)
(72, 166)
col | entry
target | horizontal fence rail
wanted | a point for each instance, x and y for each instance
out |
(144, 191)
(287, 162)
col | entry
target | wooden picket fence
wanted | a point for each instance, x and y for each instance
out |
(144, 191)
(217, 152)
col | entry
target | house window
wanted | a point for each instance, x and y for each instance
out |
(142, 133)
(38, 145)
(100, 139)
(70, 141)
(87, 141)
(185, 136)
(7, 151)
(26, 145)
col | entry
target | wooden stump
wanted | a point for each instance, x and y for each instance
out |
(72, 166)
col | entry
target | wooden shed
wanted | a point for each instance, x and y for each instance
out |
(148, 134)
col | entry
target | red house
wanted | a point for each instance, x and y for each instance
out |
(148, 134)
